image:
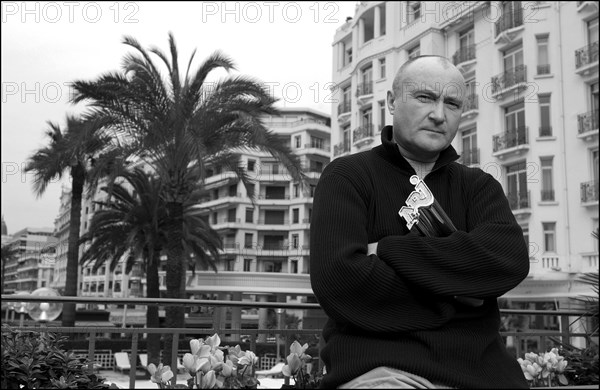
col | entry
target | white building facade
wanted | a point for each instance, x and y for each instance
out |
(531, 115)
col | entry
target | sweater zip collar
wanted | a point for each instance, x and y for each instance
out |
(389, 151)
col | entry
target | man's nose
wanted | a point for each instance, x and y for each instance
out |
(437, 112)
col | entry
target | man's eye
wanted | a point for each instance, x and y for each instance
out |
(453, 104)
(424, 98)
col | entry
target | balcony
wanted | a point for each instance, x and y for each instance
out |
(511, 143)
(464, 55)
(587, 126)
(514, 79)
(586, 59)
(543, 69)
(341, 148)
(519, 201)
(344, 110)
(508, 23)
(470, 157)
(589, 262)
(471, 106)
(363, 135)
(219, 316)
(364, 92)
(589, 193)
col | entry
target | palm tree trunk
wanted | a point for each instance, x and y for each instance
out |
(152, 319)
(71, 283)
(175, 317)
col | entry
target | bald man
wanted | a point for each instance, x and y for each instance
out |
(390, 293)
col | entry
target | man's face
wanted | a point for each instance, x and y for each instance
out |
(427, 108)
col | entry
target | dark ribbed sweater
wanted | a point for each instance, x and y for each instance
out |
(396, 308)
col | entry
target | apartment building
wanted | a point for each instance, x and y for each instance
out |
(32, 268)
(531, 115)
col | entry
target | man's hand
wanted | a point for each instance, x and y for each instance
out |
(372, 249)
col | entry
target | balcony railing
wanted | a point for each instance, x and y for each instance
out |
(511, 139)
(343, 108)
(589, 191)
(471, 102)
(464, 54)
(543, 69)
(470, 156)
(586, 55)
(509, 78)
(341, 148)
(273, 197)
(509, 20)
(518, 200)
(547, 195)
(587, 122)
(364, 89)
(519, 341)
(362, 132)
(318, 145)
(545, 131)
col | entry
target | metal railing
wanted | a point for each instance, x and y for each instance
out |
(364, 89)
(547, 195)
(509, 78)
(464, 54)
(545, 131)
(471, 103)
(518, 200)
(586, 55)
(362, 132)
(520, 340)
(470, 156)
(342, 147)
(587, 121)
(589, 191)
(543, 69)
(511, 139)
(509, 20)
(343, 108)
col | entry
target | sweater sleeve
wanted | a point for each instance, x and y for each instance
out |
(486, 262)
(353, 288)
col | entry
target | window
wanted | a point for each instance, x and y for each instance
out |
(117, 287)
(382, 19)
(466, 46)
(381, 115)
(214, 218)
(232, 190)
(247, 265)
(275, 192)
(549, 236)
(249, 214)
(543, 60)
(366, 88)
(274, 217)
(295, 241)
(296, 191)
(296, 215)
(547, 183)
(316, 142)
(366, 117)
(514, 120)
(525, 229)
(229, 264)
(231, 215)
(414, 52)
(250, 190)
(216, 194)
(298, 141)
(346, 96)
(346, 53)
(595, 103)
(516, 176)
(294, 266)
(346, 138)
(413, 11)
(248, 240)
(382, 68)
(545, 122)
(470, 153)
(272, 266)
(251, 164)
(592, 32)
(275, 169)
(312, 190)
(316, 166)
(514, 69)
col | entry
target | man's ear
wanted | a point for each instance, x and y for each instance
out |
(390, 102)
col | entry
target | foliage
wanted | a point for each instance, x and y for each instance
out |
(584, 367)
(546, 369)
(35, 360)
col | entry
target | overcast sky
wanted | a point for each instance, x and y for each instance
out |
(46, 45)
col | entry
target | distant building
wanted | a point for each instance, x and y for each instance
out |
(531, 116)
(32, 268)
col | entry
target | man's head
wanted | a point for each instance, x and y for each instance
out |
(427, 104)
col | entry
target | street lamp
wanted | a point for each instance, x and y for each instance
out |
(44, 312)
(279, 315)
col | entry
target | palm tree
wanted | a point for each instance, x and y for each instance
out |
(72, 150)
(8, 253)
(182, 125)
(131, 224)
